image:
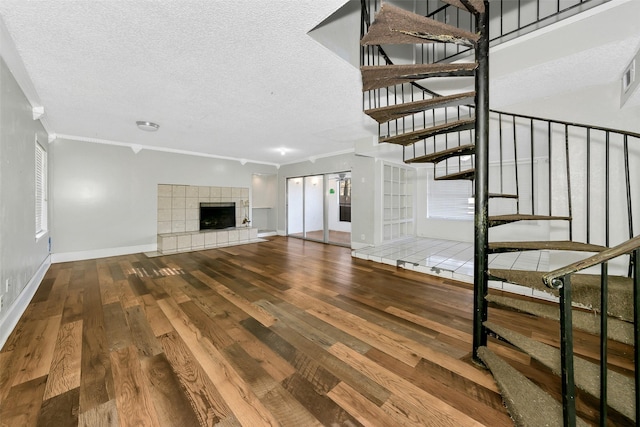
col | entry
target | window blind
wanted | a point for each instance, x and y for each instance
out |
(41, 189)
(450, 200)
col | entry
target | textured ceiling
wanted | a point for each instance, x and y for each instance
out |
(239, 79)
(243, 79)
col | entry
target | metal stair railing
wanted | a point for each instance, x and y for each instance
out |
(561, 279)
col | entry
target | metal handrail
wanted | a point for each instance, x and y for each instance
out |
(552, 278)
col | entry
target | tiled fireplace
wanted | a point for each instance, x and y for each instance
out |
(179, 217)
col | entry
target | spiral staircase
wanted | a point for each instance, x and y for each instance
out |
(454, 130)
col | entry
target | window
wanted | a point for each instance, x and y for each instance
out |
(41, 190)
(450, 199)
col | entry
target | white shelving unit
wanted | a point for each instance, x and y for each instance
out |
(397, 203)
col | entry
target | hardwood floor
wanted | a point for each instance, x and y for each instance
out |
(286, 332)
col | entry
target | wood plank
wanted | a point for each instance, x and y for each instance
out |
(361, 408)
(64, 373)
(103, 415)
(96, 382)
(116, 327)
(206, 401)
(61, 410)
(34, 359)
(141, 333)
(268, 359)
(133, 398)
(26, 399)
(319, 403)
(171, 402)
(276, 399)
(158, 322)
(406, 398)
(242, 401)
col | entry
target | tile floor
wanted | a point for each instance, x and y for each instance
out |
(452, 259)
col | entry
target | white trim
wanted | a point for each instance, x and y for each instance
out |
(102, 253)
(13, 314)
(138, 147)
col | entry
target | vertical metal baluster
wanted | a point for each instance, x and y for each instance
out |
(588, 190)
(566, 156)
(515, 164)
(533, 203)
(607, 192)
(604, 303)
(549, 163)
(566, 354)
(501, 154)
(636, 328)
(633, 259)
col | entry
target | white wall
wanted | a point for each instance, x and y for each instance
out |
(264, 189)
(105, 196)
(23, 259)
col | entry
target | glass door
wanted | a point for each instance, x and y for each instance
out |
(314, 208)
(319, 208)
(338, 202)
(295, 207)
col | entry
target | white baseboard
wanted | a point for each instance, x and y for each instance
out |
(13, 314)
(102, 253)
(357, 245)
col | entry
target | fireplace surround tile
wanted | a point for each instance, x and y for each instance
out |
(178, 191)
(192, 191)
(178, 220)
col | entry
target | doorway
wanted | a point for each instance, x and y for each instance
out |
(319, 208)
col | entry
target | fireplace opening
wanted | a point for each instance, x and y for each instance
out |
(217, 215)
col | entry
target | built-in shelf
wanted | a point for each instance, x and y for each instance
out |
(205, 239)
(397, 204)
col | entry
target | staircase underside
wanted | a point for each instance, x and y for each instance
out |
(620, 389)
(461, 150)
(376, 77)
(394, 25)
(465, 174)
(585, 289)
(496, 220)
(617, 330)
(522, 397)
(559, 245)
(415, 136)
(392, 112)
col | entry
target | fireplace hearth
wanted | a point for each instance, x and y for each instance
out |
(217, 215)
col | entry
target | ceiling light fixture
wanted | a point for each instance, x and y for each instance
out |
(147, 126)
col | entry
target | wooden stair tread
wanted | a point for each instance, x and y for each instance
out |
(474, 6)
(620, 388)
(495, 220)
(585, 289)
(465, 174)
(394, 25)
(415, 136)
(527, 403)
(391, 112)
(617, 330)
(502, 196)
(559, 245)
(438, 156)
(376, 77)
